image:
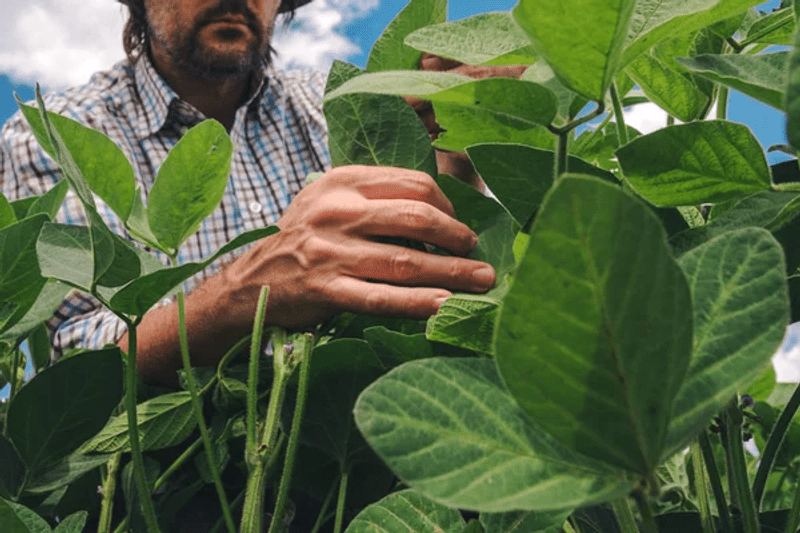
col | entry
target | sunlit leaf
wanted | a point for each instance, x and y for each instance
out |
(675, 93)
(65, 472)
(390, 51)
(407, 511)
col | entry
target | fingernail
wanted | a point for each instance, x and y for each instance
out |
(484, 277)
(474, 241)
(440, 301)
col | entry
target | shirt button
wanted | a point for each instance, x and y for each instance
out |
(255, 208)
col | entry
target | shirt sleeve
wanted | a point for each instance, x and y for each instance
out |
(81, 321)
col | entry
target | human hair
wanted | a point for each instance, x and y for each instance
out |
(136, 35)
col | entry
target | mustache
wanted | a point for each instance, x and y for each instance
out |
(230, 7)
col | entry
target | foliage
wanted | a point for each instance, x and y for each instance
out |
(644, 282)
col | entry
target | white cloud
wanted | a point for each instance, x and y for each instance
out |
(63, 42)
(645, 118)
(787, 360)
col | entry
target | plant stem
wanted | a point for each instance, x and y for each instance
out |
(252, 378)
(14, 367)
(322, 516)
(622, 129)
(131, 382)
(306, 344)
(337, 528)
(223, 363)
(793, 522)
(722, 103)
(627, 524)
(197, 408)
(776, 436)
(109, 490)
(716, 482)
(562, 144)
(648, 522)
(734, 449)
(702, 488)
(220, 522)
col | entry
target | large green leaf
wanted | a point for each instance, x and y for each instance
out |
(580, 39)
(594, 337)
(394, 348)
(163, 421)
(375, 129)
(700, 162)
(48, 300)
(50, 202)
(141, 294)
(7, 215)
(489, 38)
(467, 321)
(450, 429)
(65, 253)
(761, 76)
(390, 52)
(16, 518)
(63, 406)
(523, 522)
(793, 95)
(65, 472)
(74, 523)
(21, 281)
(741, 311)
(418, 83)
(675, 93)
(12, 469)
(190, 183)
(656, 20)
(404, 512)
(519, 176)
(775, 28)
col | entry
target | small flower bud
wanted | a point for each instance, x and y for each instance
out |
(288, 348)
(747, 401)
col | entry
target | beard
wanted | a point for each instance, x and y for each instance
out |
(218, 60)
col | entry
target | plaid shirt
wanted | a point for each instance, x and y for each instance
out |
(279, 136)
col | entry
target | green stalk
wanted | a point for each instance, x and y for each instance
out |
(306, 343)
(133, 429)
(323, 512)
(337, 528)
(252, 378)
(622, 130)
(793, 521)
(722, 103)
(738, 468)
(648, 522)
(197, 409)
(109, 490)
(627, 524)
(702, 488)
(217, 527)
(716, 482)
(776, 436)
(223, 363)
(14, 367)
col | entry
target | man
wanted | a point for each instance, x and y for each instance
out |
(196, 59)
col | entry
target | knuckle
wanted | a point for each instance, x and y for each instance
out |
(404, 267)
(376, 301)
(417, 216)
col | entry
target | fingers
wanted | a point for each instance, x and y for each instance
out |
(358, 296)
(406, 266)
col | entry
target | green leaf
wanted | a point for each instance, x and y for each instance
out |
(74, 523)
(488, 38)
(16, 518)
(421, 419)
(65, 472)
(793, 94)
(507, 109)
(465, 320)
(762, 76)
(569, 102)
(598, 148)
(519, 176)
(390, 52)
(176, 205)
(63, 406)
(594, 336)
(65, 253)
(137, 223)
(741, 311)
(581, 40)
(775, 28)
(473, 526)
(700, 162)
(12, 469)
(126, 263)
(104, 166)
(136, 298)
(39, 347)
(7, 215)
(407, 511)
(421, 84)
(49, 299)
(163, 421)
(523, 522)
(22, 206)
(394, 348)
(378, 130)
(654, 21)
(21, 281)
(669, 89)
(50, 202)
(7, 310)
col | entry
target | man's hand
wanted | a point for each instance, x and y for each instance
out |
(328, 258)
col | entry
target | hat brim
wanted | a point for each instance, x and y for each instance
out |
(286, 5)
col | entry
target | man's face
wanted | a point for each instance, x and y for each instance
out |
(211, 39)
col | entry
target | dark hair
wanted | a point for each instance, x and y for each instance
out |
(136, 35)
